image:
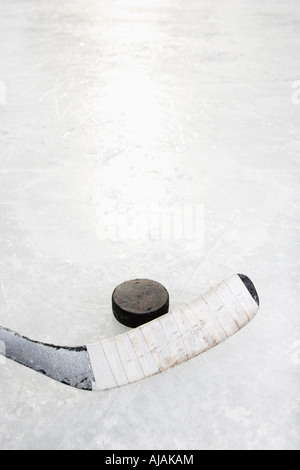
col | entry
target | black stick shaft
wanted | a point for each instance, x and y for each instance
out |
(70, 366)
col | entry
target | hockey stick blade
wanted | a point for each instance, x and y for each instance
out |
(147, 350)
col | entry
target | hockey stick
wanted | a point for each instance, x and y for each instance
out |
(147, 350)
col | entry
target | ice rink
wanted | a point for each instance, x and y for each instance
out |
(114, 115)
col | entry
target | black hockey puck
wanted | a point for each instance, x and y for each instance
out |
(139, 301)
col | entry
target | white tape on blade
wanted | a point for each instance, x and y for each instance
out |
(204, 314)
(234, 307)
(104, 378)
(191, 342)
(155, 337)
(129, 358)
(221, 313)
(174, 337)
(113, 358)
(143, 352)
(199, 327)
(243, 296)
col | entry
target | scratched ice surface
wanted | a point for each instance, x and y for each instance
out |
(126, 108)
